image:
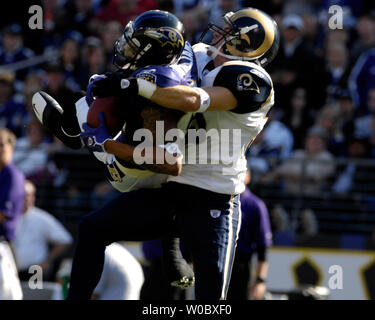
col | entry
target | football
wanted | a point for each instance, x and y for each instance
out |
(114, 117)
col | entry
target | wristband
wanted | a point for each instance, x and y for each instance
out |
(145, 88)
(205, 99)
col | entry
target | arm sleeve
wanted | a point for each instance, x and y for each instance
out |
(11, 191)
(6, 205)
(264, 238)
(249, 85)
(163, 76)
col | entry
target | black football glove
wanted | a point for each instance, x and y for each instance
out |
(114, 84)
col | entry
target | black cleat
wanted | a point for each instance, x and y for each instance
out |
(178, 271)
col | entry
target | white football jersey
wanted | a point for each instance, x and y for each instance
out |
(218, 162)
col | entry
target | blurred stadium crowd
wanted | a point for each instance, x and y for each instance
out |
(321, 135)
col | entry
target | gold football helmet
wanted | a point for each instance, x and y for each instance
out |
(248, 34)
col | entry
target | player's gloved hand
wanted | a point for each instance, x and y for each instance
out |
(95, 138)
(92, 83)
(114, 84)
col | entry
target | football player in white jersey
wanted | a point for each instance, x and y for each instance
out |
(232, 105)
(237, 93)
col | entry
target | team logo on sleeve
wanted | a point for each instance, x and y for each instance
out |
(246, 82)
(148, 76)
(114, 173)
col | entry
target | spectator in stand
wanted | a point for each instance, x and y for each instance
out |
(122, 275)
(296, 65)
(363, 125)
(182, 6)
(12, 50)
(95, 63)
(55, 23)
(277, 136)
(30, 153)
(221, 7)
(122, 11)
(328, 119)
(314, 164)
(299, 117)
(12, 191)
(346, 112)
(336, 36)
(167, 5)
(372, 138)
(255, 237)
(272, 7)
(79, 14)
(308, 223)
(12, 111)
(351, 177)
(361, 80)
(337, 69)
(55, 85)
(312, 33)
(109, 34)
(32, 84)
(351, 7)
(12, 195)
(40, 239)
(366, 31)
(273, 144)
(195, 20)
(70, 60)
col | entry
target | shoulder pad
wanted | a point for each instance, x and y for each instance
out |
(186, 66)
(187, 55)
(248, 82)
(163, 76)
